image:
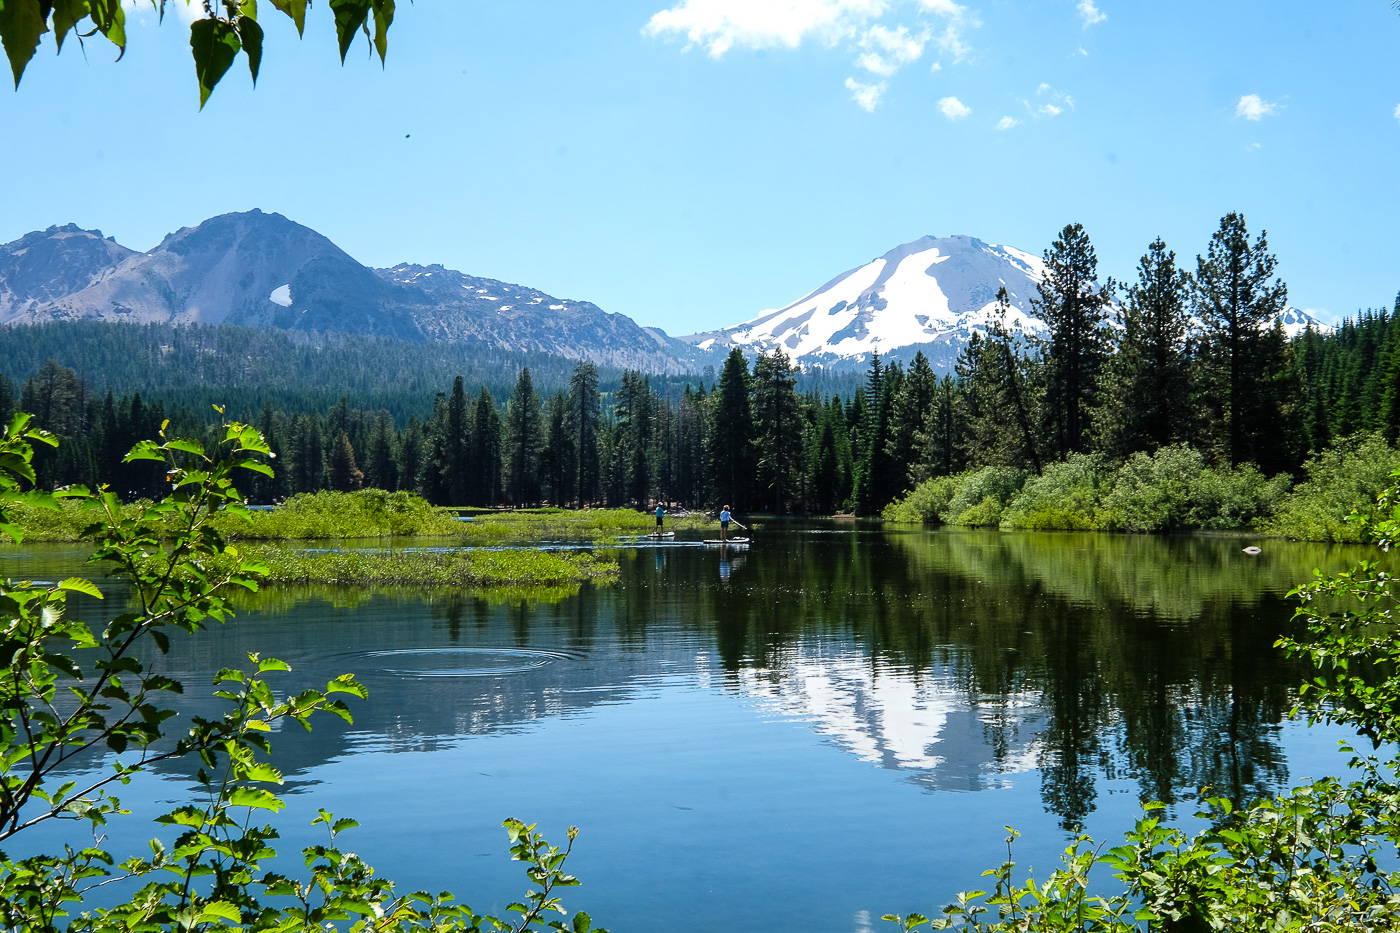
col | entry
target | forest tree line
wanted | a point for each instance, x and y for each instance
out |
(1177, 357)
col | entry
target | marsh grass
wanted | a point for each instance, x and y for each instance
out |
(472, 569)
(376, 514)
(566, 525)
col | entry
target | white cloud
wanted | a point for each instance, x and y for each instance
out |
(938, 66)
(888, 50)
(1254, 107)
(944, 8)
(1397, 111)
(866, 95)
(869, 30)
(1050, 103)
(719, 25)
(1006, 123)
(953, 108)
(1090, 13)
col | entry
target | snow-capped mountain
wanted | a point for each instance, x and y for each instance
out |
(1295, 321)
(928, 295)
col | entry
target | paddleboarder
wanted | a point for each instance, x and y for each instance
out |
(724, 519)
(660, 514)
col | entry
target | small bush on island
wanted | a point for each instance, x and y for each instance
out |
(365, 513)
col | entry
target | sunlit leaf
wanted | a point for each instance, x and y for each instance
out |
(215, 44)
(296, 9)
(21, 25)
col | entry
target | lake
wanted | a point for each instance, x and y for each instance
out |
(831, 725)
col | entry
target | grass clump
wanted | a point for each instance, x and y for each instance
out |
(471, 568)
(565, 524)
(366, 513)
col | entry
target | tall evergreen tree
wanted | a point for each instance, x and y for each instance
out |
(731, 454)
(909, 420)
(1236, 298)
(457, 464)
(557, 459)
(1147, 383)
(1075, 308)
(486, 440)
(778, 430)
(381, 470)
(342, 473)
(523, 440)
(584, 406)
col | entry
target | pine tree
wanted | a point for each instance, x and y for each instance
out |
(778, 430)
(583, 425)
(557, 458)
(1236, 301)
(1075, 309)
(523, 440)
(910, 420)
(1147, 383)
(731, 460)
(486, 440)
(342, 474)
(457, 463)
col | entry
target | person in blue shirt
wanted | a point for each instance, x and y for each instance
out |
(724, 519)
(660, 514)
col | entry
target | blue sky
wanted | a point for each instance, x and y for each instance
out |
(690, 163)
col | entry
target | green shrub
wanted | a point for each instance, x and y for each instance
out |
(1225, 498)
(1342, 480)
(927, 502)
(982, 496)
(1153, 492)
(1064, 497)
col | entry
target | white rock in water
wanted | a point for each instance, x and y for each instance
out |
(1252, 550)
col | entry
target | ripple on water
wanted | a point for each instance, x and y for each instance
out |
(459, 661)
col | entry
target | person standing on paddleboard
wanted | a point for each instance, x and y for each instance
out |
(660, 514)
(724, 519)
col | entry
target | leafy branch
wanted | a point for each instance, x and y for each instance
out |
(227, 28)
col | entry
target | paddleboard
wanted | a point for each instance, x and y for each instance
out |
(664, 534)
(735, 542)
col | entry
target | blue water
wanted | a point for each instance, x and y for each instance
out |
(831, 726)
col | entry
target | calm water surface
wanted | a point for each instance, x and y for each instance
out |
(832, 725)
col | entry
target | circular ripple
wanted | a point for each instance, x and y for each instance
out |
(460, 662)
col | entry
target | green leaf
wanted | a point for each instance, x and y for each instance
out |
(350, 16)
(383, 17)
(21, 25)
(182, 443)
(79, 585)
(254, 797)
(296, 9)
(215, 45)
(219, 910)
